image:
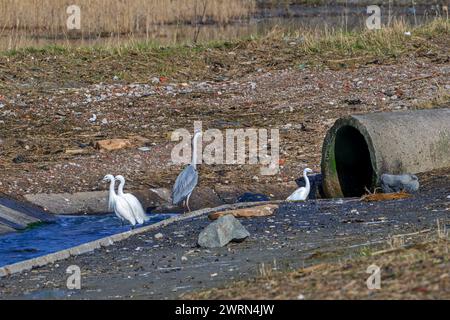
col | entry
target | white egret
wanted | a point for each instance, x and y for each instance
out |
(120, 206)
(136, 207)
(302, 193)
(187, 180)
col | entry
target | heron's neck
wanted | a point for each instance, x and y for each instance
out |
(305, 175)
(194, 150)
(120, 189)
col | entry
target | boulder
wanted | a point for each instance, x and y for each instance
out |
(259, 211)
(221, 232)
(396, 183)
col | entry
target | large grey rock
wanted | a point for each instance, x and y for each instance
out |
(221, 232)
(396, 183)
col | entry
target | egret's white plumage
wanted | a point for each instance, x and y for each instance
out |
(302, 193)
(120, 206)
(112, 192)
(187, 180)
(135, 205)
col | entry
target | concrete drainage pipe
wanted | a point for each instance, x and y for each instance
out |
(359, 148)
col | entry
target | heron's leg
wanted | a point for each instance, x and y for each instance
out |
(187, 203)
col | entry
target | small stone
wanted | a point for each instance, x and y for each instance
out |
(155, 80)
(159, 236)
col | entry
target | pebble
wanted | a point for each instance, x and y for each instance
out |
(159, 236)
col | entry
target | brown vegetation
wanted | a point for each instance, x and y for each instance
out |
(106, 16)
(418, 271)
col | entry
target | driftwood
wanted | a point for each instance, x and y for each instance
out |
(386, 196)
(258, 211)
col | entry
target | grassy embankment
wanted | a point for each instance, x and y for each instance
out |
(136, 62)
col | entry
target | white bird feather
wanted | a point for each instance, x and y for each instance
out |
(135, 205)
(302, 193)
(118, 204)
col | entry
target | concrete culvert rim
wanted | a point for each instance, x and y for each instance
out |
(358, 149)
(353, 162)
(348, 158)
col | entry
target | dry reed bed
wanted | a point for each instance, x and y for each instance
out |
(116, 16)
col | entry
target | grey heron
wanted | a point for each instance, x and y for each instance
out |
(302, 193)
(120, 206)
(136, 207)
(187, 180)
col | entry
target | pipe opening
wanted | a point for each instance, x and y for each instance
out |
(353, 163)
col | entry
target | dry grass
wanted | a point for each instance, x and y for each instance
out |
(180, 62)
(441, 98)
(377, 42)
(116, 16)
(415, 271)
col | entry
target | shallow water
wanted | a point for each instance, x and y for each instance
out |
(65, 232)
